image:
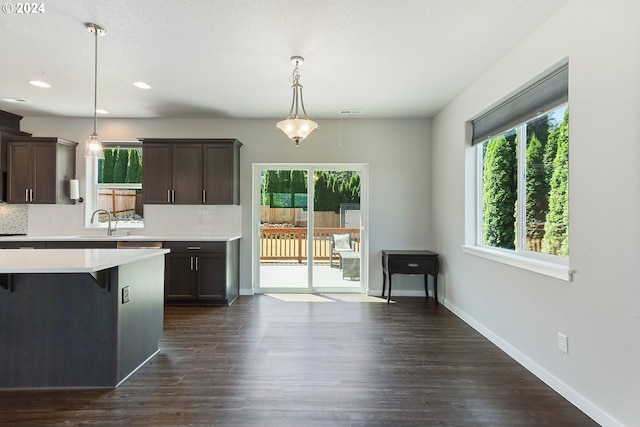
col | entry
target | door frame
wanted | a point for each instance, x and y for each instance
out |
(363, 169)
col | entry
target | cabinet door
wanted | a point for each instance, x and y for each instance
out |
(157, 165)
(179, 276)
(44, 173)
(211, 276)
(20, 175)
(218, 174)
(187, 173)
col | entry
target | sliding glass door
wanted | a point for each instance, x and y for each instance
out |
(310, 230)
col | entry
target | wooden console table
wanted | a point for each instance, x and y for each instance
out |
(410, 262)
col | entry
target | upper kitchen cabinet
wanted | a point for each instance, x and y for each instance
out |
(9, 127)
(191, 171)
(39, 170)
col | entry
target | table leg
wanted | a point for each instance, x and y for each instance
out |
(389, 296)
(384, 282)
(435, 286)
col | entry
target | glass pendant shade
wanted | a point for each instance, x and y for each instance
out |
(93, 147)
(297, 129)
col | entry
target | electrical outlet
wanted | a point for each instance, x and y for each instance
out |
(125, 294)
(563, 343)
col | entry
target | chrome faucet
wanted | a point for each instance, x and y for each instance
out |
(109, 230)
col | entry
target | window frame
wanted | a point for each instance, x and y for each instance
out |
(555, 266)
(93, 186)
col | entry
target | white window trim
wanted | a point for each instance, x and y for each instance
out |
(548, 268)
(92, 186)
(548, 265)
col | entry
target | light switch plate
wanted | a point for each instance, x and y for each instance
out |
(125, 294)
(563, 343)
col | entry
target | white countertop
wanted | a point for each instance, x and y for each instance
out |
(124, 238)
(70, 260)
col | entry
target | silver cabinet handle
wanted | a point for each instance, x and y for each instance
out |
(26, 194)
(412, 264)
(190, 263)
(168, 196)
(196, 263)
(173, 196)
(194, 248)
(31, 195)
(204, 196)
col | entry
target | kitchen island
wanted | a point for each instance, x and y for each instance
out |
(78, 317)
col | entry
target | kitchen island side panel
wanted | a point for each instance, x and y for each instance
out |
(57, 330)
(141, 317)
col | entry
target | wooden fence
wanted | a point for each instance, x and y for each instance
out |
(298, 217)
(289, 244)
(120, 202)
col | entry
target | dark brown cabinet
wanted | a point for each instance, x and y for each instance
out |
(191, 171)
(39, 170)
(9, 127)
(201, 273)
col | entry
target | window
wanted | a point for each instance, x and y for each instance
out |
(524, 186)
(522, 149)
(119, 183)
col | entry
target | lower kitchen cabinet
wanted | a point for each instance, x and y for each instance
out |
(201, 273)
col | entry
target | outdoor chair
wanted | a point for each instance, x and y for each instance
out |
(340, 243)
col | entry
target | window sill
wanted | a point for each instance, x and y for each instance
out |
(551, 269)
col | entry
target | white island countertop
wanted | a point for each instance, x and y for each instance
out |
(121, 237)
(70, 260)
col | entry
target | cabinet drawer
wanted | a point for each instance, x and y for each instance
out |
(411, 265)
(196, 247)
(22, 245)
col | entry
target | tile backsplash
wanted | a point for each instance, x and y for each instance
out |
(14, 219)
(47, 220)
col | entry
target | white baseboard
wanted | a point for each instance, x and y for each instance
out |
(579, 401)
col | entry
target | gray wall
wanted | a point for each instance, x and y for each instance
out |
(599, 310)
(398, 153)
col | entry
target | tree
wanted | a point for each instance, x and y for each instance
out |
(536, 190)
(107, 166)
(269, 185)
(322, 193)
(351, 189)
(120, 166)
(298, 182)
(134, 171)
(499, 192)
(556, 239)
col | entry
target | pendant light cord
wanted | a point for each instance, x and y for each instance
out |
(95, 84)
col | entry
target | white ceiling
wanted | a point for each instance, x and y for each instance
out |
(230, 58)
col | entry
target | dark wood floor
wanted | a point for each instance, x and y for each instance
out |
(267, 362)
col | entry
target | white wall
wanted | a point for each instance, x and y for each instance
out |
(599, 310)
(398, 153)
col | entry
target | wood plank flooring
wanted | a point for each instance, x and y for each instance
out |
(334, 361)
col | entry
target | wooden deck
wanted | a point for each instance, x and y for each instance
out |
(287, 244)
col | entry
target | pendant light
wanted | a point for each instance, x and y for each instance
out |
(93, 147)
(293, 126)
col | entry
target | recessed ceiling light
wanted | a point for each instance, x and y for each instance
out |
(141, 85)
(99, 111)
(16, 100)
(39, 83)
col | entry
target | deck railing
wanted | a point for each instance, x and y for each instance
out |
(289, 244)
